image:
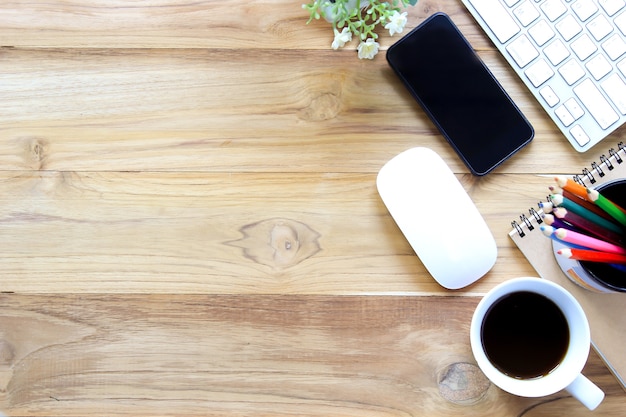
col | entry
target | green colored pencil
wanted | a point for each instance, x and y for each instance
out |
(607, 205)
(572, 207)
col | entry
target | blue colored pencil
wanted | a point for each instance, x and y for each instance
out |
(549, 231)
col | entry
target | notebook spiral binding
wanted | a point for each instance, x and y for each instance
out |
(587, 177)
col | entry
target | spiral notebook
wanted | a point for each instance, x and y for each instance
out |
(606, 312)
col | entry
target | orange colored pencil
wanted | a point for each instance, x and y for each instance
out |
(571, 186)
(593, 256)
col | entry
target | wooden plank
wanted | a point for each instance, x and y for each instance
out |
(317, 111)
(270, 24)
(226, 233)
(190, 224)
(187, 355)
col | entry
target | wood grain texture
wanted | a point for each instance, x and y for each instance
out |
(190, 225)
(251, 355)
(216, 233)
(318, 111)
(221, 24)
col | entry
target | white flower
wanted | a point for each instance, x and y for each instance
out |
(341, 38)
(368, 49)
(396, 23)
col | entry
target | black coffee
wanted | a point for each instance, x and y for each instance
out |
(525, 335)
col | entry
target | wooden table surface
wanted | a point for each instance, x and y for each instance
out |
(190, 225)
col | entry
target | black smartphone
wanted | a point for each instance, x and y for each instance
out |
(459, 94)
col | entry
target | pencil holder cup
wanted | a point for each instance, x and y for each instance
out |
(597, 276)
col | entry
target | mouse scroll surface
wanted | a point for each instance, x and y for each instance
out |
(437, 217)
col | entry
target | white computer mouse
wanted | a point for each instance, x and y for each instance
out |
(437, 217)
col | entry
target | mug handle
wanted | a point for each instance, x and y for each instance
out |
(586, 392)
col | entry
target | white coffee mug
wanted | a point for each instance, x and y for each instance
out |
(567, 374)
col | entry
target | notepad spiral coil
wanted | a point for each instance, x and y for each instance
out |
(597, 173)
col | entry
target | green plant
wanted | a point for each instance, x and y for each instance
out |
(360, 18)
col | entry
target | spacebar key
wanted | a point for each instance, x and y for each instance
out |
(497, 18)
(595, 102)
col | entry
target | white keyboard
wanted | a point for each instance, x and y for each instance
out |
(570, 53)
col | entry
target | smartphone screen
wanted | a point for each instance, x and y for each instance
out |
(459, 94)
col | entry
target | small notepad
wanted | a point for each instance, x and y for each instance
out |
(606, 312)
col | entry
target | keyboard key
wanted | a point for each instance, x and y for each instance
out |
(579, 135)
(564, 116)
(497, 18)
(526, 13)
(622, 67)
(614, 47)
(599, 66)
(572, 56)
(612, 6)
(549, 96)
(541, 32)
(522, 51)
(553, 9)
(584, 9)
(571, 71)
(539, 72)
(594, 101)
(620, 22)
(574, 108)
(583, 47)
(599, 27)
(615, 88)
(568, 27)
(556, 52)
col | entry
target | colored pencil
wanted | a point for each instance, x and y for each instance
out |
(550, 220)
(607, 205)
(546, 206)
(560, 201)
(592, 256)
(593, 218)
(584, 225)
(588, 241)
(585, 203)
(571, 186)
(549, 231)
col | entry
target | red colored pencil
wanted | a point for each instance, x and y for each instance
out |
(593, 256)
